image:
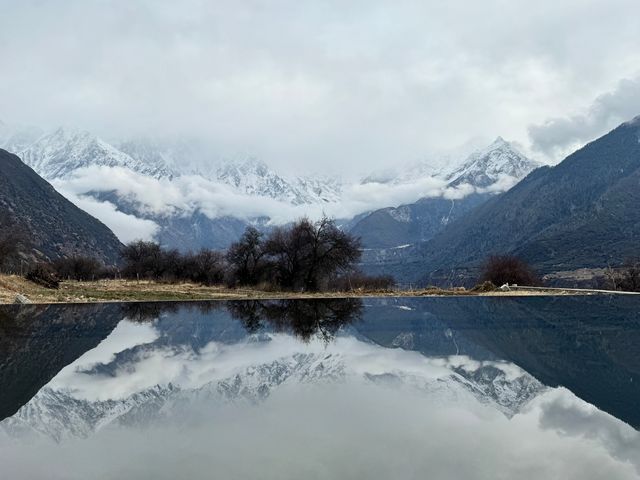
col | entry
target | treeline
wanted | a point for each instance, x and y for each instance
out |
(304, 256)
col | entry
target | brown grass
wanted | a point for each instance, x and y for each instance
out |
(131, 290)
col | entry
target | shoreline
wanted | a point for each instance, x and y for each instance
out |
(108, 291)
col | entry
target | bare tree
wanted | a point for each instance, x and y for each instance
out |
(303, 318)
(508, 269)
(287, 249)
(246, 258)
(307, 254)
(209, 267)
(142, 260)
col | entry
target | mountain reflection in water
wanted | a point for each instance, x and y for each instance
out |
(509, 384)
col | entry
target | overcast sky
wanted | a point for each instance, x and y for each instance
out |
(326, 85)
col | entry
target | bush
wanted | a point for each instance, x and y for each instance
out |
(43, 275)
(508, 269)
(485, 287)
(208, 267)
(78, 268)
(629, 280)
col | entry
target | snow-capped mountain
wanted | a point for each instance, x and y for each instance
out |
(254, 177)
(196, 200)
(81, 402)
(58, 154)
(436, 168)
(491, 170)
(177, 157)
(485, 168)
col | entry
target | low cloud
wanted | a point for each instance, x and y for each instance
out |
(315, 432)
(126, 227)
(571, 417)
(558, 135)
(155, 198)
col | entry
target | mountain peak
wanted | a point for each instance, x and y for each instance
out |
(59, 153)
(499, 141)
(485, 167)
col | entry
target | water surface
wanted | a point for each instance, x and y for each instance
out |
(476, 387)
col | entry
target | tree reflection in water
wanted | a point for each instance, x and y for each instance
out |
(304, 318)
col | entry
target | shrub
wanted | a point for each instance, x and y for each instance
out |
(486, 286)
(508, 269)
(208, 267)
(630, 277)
(43, 275)
(78, 268)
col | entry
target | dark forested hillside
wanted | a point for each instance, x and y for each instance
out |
(582, 213)
(54, 226)
(416, 222)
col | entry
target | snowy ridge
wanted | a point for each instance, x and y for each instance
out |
(483, 168)
(58, 154)
(486, 167)
(59, 414)
(254, 177)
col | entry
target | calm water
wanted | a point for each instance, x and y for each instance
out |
(392, 388)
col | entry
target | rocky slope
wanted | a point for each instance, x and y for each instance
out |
(55, 227)
(581, 213)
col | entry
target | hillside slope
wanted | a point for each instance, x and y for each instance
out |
(486, 172)
(582, 213)
(56, 227)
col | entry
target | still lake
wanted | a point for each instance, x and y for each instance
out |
(466, 387)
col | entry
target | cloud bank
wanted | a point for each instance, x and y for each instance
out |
(563, 134)
(333, 85)
(156, 198)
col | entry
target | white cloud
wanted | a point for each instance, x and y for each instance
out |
(439, 430)
(125, 226)
(559, 136)
(333, 85)
(570, 416)
(187, 194)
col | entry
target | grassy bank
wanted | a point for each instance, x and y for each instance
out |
(131, 290)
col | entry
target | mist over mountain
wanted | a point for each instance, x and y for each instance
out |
(483, 174)
(177, 194)
(581, 213)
